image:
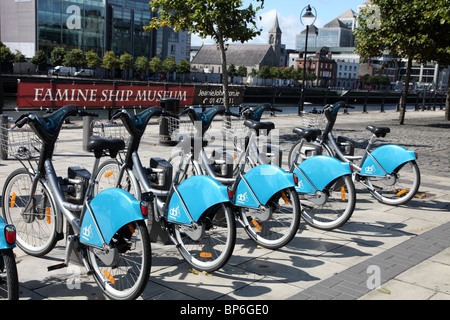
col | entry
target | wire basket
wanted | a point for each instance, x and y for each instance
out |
(233, 128)
(181, 127)
(20, 143)
(110, 130)
(314, 120)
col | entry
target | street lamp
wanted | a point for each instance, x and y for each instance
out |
(307, 18)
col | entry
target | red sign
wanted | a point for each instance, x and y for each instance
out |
(55, 95)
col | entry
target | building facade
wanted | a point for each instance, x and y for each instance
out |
(99, 25)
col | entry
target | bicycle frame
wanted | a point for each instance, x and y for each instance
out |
(96, 221)
(379, 162)
(257, 186)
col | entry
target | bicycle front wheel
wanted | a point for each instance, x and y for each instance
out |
(34, 216)
(277, 223)
(397, 188)
(108, 176)
(209, 246)
(124, 271)
(332, 207)
(9, 281)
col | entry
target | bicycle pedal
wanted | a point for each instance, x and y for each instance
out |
(57, 266)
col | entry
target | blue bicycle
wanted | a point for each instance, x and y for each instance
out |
(9, 282)
(389, 172)
(109, 233)
(195, 213)
(325, 187)
(265, 200)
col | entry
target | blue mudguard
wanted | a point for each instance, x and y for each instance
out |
(318, 172)
(3, 243)
(264, 180)
(113, 208)
(198, 194)
(387, 159)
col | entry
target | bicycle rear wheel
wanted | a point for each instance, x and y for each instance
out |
(333, 207)
(123, 273)
(34, 218)
(9, 282)
(209, 246)
(277, 224)
(398, 188)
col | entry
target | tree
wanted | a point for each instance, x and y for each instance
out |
(169, 65)
(141, 65)
(183, 67)
(155, 65)
(6, 57)
(57, 56)
(75, 58)
(232, 71)
(19, 58)
(222, 20)
(39, 59)
(264, 73)
(126, 62)
(242, 71)
(92, 59)
(110, 61)
(410, 29)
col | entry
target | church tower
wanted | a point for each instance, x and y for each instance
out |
(275, 39)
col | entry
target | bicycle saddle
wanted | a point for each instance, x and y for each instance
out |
(258, 125)
(98, 144)
(378, 131)
(308, 134)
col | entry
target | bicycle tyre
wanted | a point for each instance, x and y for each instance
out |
(213, 248)
(400, 193)
(336, 210)
(36, 232)
(277, 229)
(11, 292)
(127, 279)
(107, 175)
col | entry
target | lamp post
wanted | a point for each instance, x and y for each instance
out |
(307, 18)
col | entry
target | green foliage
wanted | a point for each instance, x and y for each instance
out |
(110, 60)
(242, 71)
(92, 59)
(141, 64)
(183, 67)
(75, 58)
(39, 59)
(415, 29)
(411, 29)
(126, 61)
(222, 20)
(6, 56)
(155, 65)
(57, 56)
(19, 57)
(169, 65)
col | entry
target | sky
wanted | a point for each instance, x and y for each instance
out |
(289, 17)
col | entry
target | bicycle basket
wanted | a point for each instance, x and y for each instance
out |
(20, 143)
(314, 120)
(180, 127)
(233, 128)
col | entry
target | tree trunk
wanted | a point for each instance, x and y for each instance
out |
(405, 93)
(447, 101)
(221, 45)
